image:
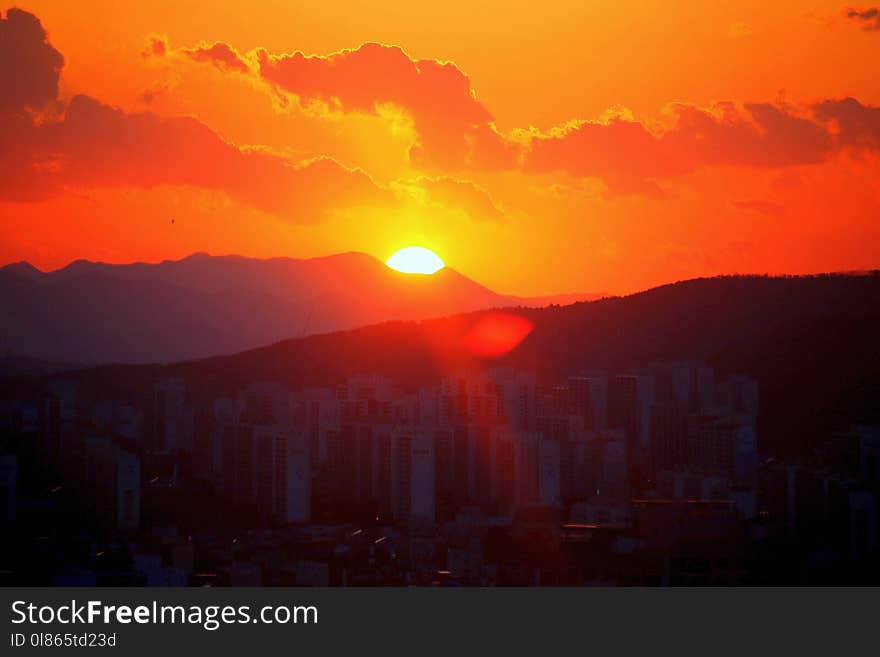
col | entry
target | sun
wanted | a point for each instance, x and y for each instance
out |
(415, 260)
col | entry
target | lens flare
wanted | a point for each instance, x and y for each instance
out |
(496, 334)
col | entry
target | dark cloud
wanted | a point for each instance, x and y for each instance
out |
(91, 144)
(628, 156)
(454, 130)
(220, 54)
(436, 95)
(95, 145)
(156, 46)
(868, 18)
(757, 135)
(855, 125)
(154, 92)
(29, 65)
(455, 133)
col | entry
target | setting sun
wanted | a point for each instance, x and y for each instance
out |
(415, 260)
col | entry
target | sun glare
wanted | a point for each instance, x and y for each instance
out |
(415, 260)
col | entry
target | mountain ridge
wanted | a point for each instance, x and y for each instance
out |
(203, 305)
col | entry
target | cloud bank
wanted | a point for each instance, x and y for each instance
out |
(90, 144)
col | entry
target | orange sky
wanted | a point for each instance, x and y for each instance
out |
(538, 148)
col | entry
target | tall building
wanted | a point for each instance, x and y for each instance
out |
(504, 468)
(172, 421)
(615, 464)
(120, 419)
(413, 474)
(690, 385)
(517, 393)
(589, 394)
(342, 463)
(549, 492)
(722, 442)
(444, 470)
(319, 414)
(630, 400)
(571, 459)
(113, 481)
(269, 465)
(267, 403)
(668, 435)
(57, 416)
(213, 428)
(239, 459)
(283, 473)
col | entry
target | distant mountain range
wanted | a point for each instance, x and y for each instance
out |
(202, 305)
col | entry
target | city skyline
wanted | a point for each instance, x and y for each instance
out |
(367, 456)
(681, 436)
(652, 476)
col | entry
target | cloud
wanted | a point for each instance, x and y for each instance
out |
(454, 130)
(630, 155)
(758, 135)
(91, 144)
(220, 54)
(455, 133)
(95, 145)
(855, 125)
(868, 18)
(155, 46)
(29, 65)
(154, 92)
(451, 192)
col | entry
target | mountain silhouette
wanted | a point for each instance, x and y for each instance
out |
(204, 305)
